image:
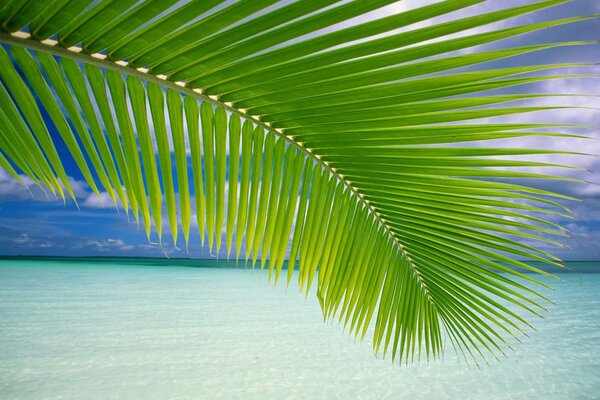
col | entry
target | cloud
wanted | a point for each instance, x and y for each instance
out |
(11, 189)
(13, 242)
(22, 239)
(582, 244)
(94, 201)
(80, 188)
(107, 245)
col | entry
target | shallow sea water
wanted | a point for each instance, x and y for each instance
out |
(120, 331)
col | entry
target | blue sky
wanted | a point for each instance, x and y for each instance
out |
(41, 226)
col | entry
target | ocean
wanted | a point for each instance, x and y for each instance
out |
(139, 329)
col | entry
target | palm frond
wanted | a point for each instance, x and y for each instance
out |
(335, 147)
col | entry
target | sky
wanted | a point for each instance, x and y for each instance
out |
(41, 226)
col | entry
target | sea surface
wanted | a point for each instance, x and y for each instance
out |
(123, 329)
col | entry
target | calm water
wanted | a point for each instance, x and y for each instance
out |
(108, 330)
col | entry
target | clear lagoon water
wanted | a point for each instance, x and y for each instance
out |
(133, 330)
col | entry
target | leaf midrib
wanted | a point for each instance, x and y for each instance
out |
(24, 39)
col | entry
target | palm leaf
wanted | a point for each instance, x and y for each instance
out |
(346, 160)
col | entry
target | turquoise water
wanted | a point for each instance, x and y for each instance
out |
(81, 330)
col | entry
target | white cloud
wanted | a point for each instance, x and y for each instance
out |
(94, 201)
(107, 245)
(11, 189)
(67, 243)
(22, 239)
(80, 188)
(582, 243)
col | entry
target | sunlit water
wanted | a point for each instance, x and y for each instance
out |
(107, 330)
